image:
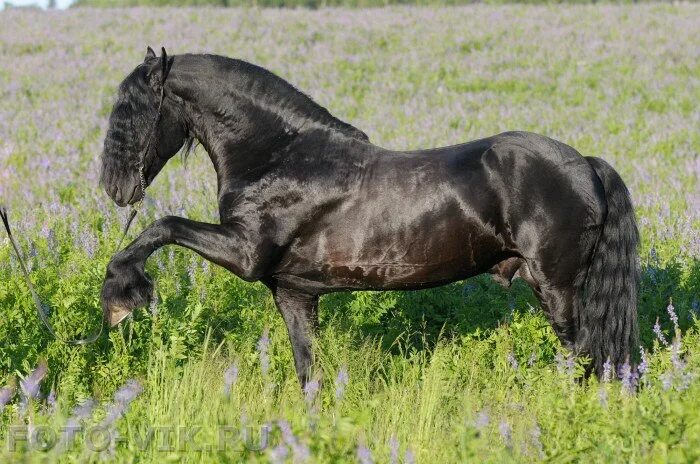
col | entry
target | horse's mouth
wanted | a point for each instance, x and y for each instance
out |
(135, 195)
(131, 199)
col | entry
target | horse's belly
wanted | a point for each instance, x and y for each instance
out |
(432, 257)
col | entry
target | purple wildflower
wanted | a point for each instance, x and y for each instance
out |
(122, 399)
(311, 390)
(512, 361)
(532, 359)
(628, 377)
(666, 381)
(30, 385)
(51, 401)
(535, 435)
(278, 454)
(659, 333)
(192, 270)
(643, 366)
(394, 450)
(364, 454)
(482, 420)
(230, 378)
(341, 381)
(678, 363)
(565, 364)
(300, 451)
(88, 242)
(80, 412)
(153, 305)
(672, 313)
(506, 432)
(6, 394)
(408, 457)
(263, 345)
(607, 371)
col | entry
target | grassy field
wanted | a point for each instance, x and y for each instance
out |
(466, 373)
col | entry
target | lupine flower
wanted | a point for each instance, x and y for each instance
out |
(666, 381)
(6, 394)
(628, 377)
(341, 381)
(408, 457)
(80, 412)
(659, 333)
(122, 399)
(278, 454)
(676, 360)
(263, 345)
(51, 401)
(394, 450)
(310, 391)
(230, 378)
(643, 366)
(300, 451)
(153, 306)
(30, 385)
(565, 364)
(512, 361)
(192, 270)
(672, 314)
(607, 371)
(535, 435)
(531, 360)
(506, 432)
(482, 420)
(364, 455)
(88, 242)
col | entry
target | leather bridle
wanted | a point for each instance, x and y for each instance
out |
(43, 309)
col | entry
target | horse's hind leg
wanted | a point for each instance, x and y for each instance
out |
(560, 295)
(300, 313)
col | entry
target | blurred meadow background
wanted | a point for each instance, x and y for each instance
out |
(470, 372)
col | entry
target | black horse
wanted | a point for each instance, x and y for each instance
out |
(309, 206)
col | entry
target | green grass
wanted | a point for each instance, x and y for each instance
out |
(428, 367)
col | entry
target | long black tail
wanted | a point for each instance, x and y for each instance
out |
(608, 322)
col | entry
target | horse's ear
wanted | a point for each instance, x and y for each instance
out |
(149, 54)
(165, 64)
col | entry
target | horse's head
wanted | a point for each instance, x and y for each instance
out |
(133, 123)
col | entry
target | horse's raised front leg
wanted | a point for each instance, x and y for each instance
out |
(127, 286)
(300, 313)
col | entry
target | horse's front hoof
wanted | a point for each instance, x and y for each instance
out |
(115, 314)
(124, 289)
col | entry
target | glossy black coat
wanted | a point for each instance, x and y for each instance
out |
(308, 205)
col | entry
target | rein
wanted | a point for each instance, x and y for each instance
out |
(42, 309)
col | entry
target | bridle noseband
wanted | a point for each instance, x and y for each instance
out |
(41, 308)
